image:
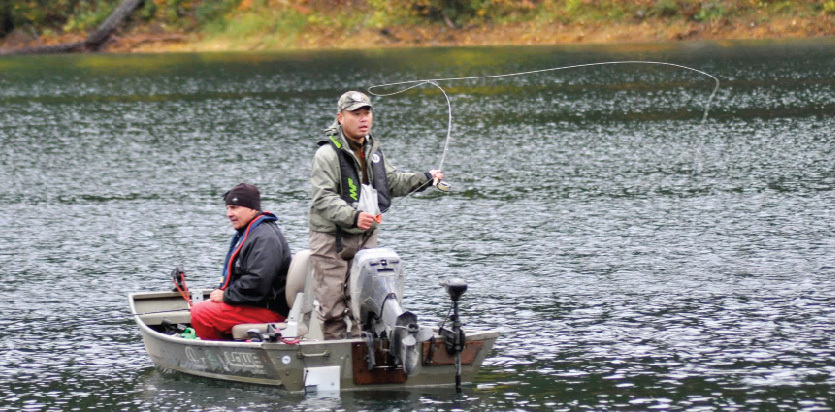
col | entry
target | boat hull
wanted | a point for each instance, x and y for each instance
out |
(307, 365)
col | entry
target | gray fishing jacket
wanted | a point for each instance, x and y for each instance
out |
(327, 208)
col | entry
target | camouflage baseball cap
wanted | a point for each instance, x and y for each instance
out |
(353, 100)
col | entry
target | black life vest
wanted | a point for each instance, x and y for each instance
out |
(350, 175)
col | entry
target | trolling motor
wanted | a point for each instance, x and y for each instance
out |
(376, 287)
(454, 339)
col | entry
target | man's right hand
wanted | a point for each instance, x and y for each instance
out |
(216, 295)
(365, 220)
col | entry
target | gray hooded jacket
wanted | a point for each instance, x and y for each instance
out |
(327, 208)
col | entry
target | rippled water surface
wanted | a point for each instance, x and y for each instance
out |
(633, 256)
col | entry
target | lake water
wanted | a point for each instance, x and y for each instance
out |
(634, 256)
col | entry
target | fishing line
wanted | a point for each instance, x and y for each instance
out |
(411, 84)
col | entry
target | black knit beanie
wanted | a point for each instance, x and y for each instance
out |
(244, 195)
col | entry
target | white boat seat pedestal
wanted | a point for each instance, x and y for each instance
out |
(298, 292)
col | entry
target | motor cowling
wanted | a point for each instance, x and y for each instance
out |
(376, 289)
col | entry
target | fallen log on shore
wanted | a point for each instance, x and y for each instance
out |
(94, 40)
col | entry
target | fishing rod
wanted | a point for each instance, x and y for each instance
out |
(442, 185)
(158, 311)
(132, 315)
(411, 84)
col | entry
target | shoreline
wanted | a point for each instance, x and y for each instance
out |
(151, 40)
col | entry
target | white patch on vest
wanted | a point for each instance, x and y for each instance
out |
(375, 158)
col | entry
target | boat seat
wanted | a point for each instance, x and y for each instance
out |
(297, 276)
(299, 284)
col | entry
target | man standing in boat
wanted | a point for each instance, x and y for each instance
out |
(254, 272)
(351, 185)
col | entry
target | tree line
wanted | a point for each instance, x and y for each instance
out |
(55, 17)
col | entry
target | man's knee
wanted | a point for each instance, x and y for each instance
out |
(198, 311)
(334, 329)
(201, 320)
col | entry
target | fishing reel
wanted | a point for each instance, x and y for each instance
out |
(178, 275)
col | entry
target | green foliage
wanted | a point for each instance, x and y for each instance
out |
(37, 13)
(148, 10)
(710, 11)
(392, 13)
(50, 16)
(178, 13)
(88, 16)
(256, 23)
(459, 12)
(573, 6)
(240, 18)
(249, 24)
(207, 12)
(666, 8)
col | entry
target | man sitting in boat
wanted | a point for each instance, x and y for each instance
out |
(254, 272)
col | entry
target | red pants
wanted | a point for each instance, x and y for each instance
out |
(214, 320)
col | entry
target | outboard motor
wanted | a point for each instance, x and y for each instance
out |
(376, 287)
